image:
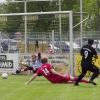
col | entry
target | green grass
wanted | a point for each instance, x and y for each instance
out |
(14, 88)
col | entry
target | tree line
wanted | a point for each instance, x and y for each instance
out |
(91, 8)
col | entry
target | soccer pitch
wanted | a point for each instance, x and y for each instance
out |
(14, 88)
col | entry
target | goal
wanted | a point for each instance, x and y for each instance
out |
(39, 26)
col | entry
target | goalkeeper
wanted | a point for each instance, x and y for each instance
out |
(36, 63)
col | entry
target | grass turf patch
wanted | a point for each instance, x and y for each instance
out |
(14, 88)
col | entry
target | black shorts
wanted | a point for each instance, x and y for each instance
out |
(87, 66)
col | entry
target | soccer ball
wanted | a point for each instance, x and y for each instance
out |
(4, 75)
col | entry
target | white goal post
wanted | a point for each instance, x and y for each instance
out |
(69, 13)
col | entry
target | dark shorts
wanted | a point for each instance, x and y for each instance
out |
(87, 66)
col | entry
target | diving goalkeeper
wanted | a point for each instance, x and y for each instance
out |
(36, 63)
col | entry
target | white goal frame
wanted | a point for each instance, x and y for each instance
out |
(70, 13)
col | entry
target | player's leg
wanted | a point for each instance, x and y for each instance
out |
(95, 71)
(74, 79)
(83, 73)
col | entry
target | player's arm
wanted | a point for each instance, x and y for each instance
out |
(32, 78)
(55, 72)
(95, 54)
(39, 55)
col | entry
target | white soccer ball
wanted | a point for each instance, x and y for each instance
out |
(4, 75)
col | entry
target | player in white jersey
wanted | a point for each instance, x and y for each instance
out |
(36, 63)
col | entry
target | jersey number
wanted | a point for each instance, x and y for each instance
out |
(45, 70)
(86, 54)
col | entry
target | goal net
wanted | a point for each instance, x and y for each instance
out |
(48, 32)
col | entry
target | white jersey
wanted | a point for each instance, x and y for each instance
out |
(36, 64)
